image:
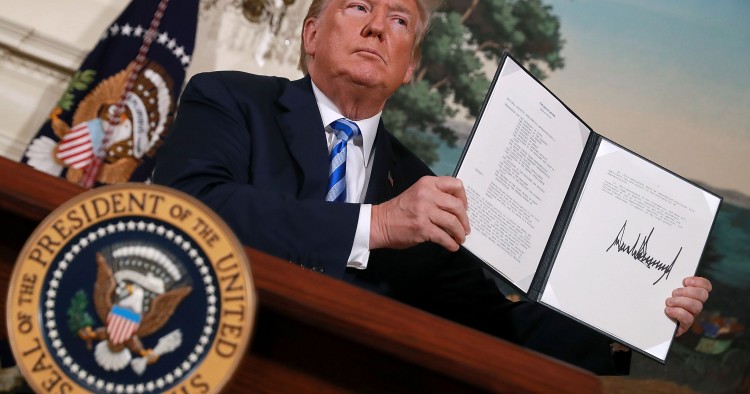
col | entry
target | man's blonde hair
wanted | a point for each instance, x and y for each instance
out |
(425, 7)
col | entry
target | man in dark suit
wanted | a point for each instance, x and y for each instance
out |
(266, 154)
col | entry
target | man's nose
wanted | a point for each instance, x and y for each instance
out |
(375, 26)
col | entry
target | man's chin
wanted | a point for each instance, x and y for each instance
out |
(368, 78)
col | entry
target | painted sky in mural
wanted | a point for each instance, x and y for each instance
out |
(668, 79)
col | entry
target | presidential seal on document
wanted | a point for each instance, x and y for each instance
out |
(130, 289)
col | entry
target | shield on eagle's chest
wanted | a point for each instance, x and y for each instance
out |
(122, 323)
(76, 149)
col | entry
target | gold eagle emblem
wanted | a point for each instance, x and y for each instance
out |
(147, 114)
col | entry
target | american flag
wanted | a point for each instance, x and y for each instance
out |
(122, 323)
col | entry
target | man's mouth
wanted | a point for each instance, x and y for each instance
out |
(372, 52)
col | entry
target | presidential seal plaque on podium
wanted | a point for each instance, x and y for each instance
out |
(130, 289)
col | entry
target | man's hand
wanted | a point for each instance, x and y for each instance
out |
(433, 209)
(687, 302)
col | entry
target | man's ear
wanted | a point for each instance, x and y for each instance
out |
(309, 35)
(410, 71)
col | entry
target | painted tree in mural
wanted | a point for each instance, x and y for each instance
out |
(463, 35)
(725, 258)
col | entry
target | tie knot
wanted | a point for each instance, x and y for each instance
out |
(345, 129)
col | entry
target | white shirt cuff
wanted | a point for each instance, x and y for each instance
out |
(360, 253)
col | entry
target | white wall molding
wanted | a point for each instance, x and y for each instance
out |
(29, 92)
(11, 61)
(28, 43)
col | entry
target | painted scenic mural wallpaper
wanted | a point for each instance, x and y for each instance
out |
(667, 79)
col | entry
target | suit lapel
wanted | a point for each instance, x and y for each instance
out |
(381, 187)
(303, 131)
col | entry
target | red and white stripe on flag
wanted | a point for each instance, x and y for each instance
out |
(120, 328)
(76, 149)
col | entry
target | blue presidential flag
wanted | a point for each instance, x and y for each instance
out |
(119, 105)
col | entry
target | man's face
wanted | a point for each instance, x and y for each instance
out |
(367, 42)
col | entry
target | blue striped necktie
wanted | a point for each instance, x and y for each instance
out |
(344, 129)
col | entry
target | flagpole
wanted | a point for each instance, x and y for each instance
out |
(114, 117)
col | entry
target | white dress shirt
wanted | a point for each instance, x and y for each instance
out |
(359, 156)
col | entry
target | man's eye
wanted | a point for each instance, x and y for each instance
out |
(360, 7)
(401, 21)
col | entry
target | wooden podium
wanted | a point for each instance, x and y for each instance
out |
(315, 334)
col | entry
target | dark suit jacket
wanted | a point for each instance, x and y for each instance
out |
(253, 148)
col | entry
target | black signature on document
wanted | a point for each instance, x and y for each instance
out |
(640, 252)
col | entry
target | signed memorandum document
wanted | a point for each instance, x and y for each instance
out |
(576, 221)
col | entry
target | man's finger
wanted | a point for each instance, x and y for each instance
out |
(455, 189)
(449, 224)
(696, 293)
(691, 305)
(452, 186)
(697, 281)
(439, 236)
(455, 207)
(683, 318)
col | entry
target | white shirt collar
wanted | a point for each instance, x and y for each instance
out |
(368, 127)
